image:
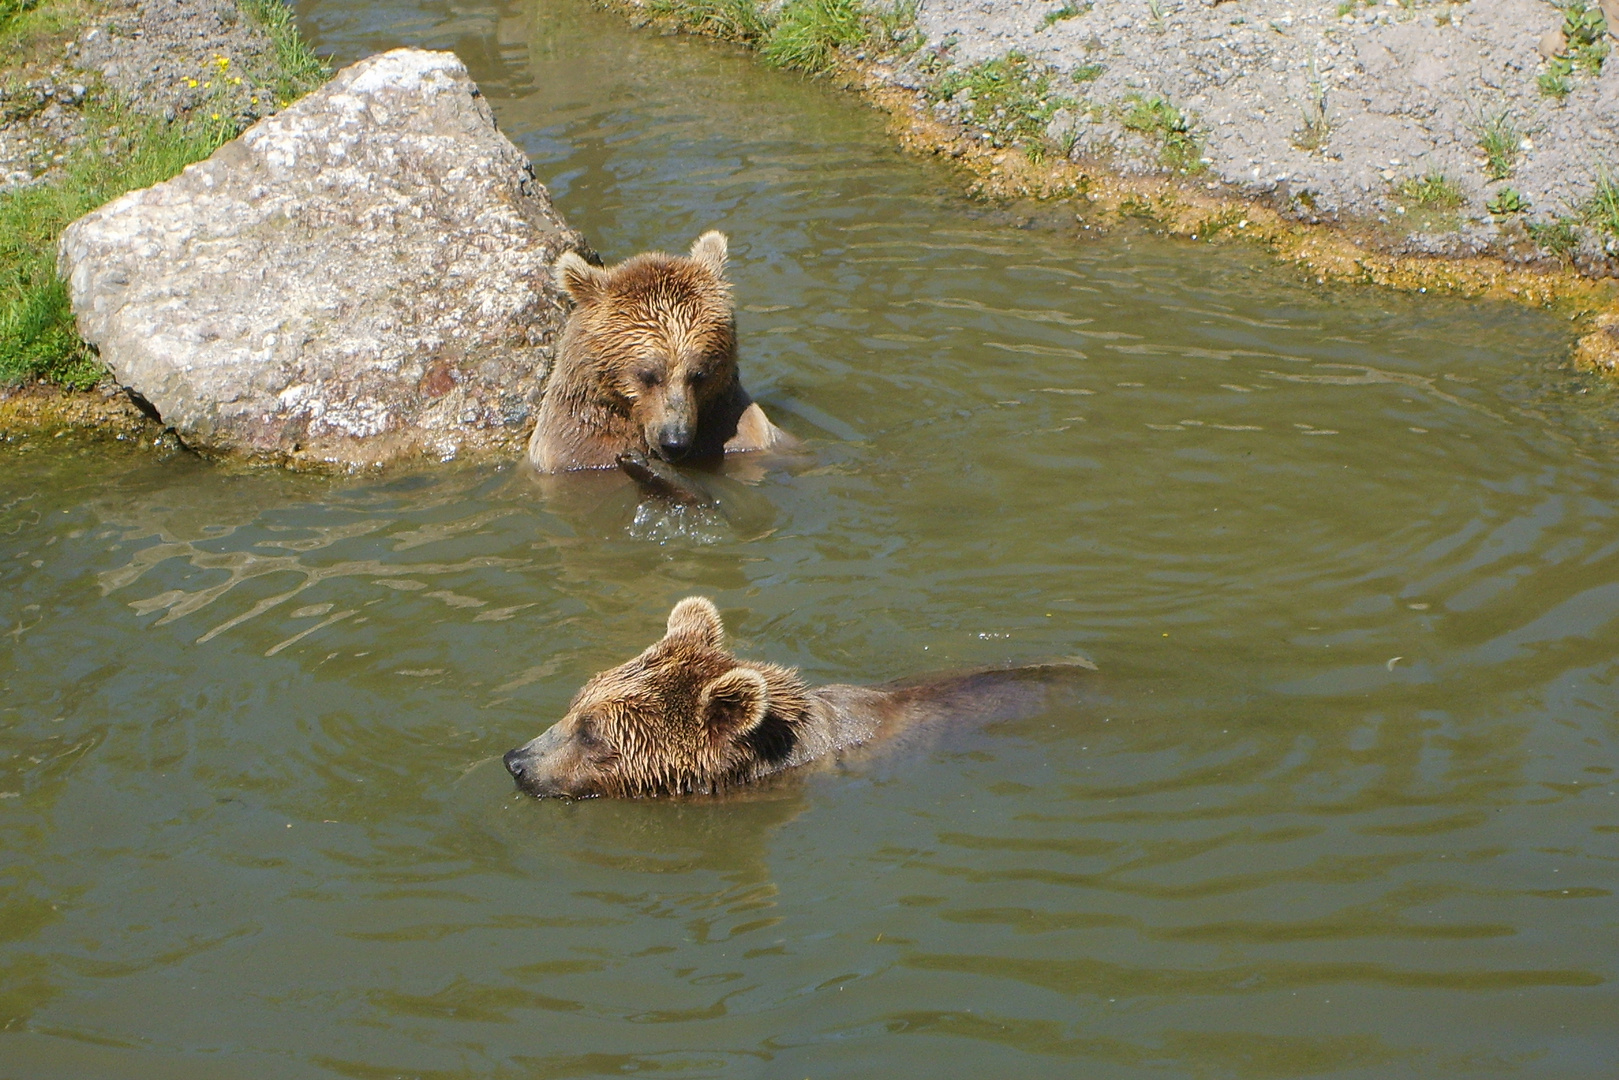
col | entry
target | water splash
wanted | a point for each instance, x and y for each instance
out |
(663, 523)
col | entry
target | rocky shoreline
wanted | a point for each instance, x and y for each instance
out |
(1347, 138)
(1445, 121)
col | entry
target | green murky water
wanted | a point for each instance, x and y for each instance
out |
(1349, 563)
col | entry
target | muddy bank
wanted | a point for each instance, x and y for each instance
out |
(40, 409)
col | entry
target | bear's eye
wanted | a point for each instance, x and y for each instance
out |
(585, 732)
(697, 376)
(649, 377)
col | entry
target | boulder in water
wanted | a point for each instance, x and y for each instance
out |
(361, 278)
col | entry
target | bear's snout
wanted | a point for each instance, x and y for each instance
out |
(530, 778)
(674, 440)
(514, 764)
(543, 767)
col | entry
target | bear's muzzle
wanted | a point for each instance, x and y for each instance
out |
(537, 766)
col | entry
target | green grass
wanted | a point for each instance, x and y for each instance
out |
(122, 150)
(1499, 138)
(1560, 237)
(34, 30)
(1554, 82)
(1507, 201)
(1159, 120)
(1431, 191)
(11, 9)
(808, 33)
(804, 35)
(1090, 72)
(1010, 97)
(1601, 210)
(895, 28)
(297, 69)
(733, 20)
(37, 337)
(1069, 10)
(1587, 31)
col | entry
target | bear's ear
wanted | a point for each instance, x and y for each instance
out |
(583, 282)
(709, 252)
(697, 618)
(735, 703)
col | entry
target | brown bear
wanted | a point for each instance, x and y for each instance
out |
(688, 718)
(647, 365)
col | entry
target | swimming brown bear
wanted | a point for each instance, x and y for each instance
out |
(647, 366)
(686, 717)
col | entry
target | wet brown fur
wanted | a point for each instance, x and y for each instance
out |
(647, 364)
(687, 717)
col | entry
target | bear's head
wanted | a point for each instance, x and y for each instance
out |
(685, 717)
(658, 333)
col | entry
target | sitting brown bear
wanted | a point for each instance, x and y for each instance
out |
(686, 717)
(647, 365)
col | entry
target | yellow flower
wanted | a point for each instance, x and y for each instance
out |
(222, 61)
(208, 86)
(191, 82)
(216, 116)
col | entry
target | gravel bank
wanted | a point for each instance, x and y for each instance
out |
(1330, 110)
(174, 59)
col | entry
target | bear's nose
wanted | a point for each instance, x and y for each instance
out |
(514, 763)
(673, 449)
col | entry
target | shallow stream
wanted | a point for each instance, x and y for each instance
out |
(1342, 804)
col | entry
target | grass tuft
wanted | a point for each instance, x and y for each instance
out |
(1560, 237)
(298, 69)
(733, 20)
(1432, 191)
(1554, 82)
(1499, 138)
(11, 9)
(895, 29)
(1601, 210)
(1010, 98)
(1069, 10)
(808, 34)
(1160, 121)
(1315, 127)
(1506, 202)
(1586, 30)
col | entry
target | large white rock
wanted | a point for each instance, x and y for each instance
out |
(359, 278)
